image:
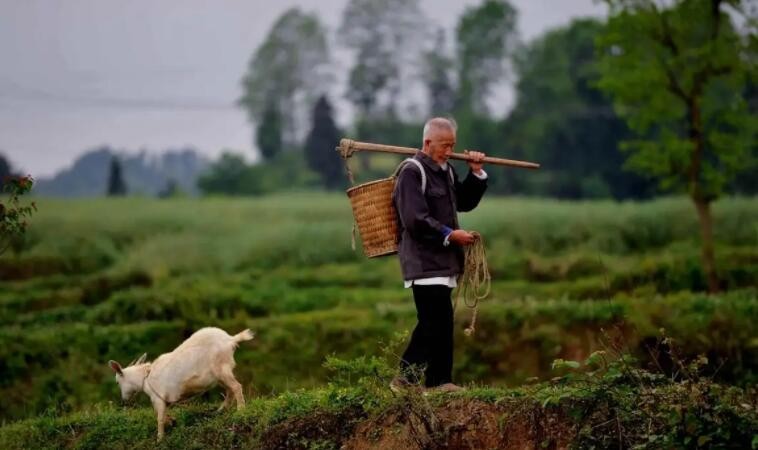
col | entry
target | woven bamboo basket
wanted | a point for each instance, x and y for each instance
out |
(375, 216)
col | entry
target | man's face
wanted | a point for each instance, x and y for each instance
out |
(439, 145)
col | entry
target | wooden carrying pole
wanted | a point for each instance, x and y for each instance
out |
(348, 147)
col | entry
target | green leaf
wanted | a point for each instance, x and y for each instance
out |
(562, 364)
(595, 358)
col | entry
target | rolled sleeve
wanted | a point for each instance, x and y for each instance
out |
(481, 176)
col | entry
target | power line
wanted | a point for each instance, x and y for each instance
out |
(113, 102)
(25, 93)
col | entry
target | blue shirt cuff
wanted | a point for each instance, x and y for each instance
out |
(446, 231)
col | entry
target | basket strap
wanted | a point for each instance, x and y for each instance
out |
(420, 168)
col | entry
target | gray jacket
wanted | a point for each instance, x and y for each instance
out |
(424, 217)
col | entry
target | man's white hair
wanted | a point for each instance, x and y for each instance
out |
(439, 123)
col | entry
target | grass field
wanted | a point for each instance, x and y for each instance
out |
(112, 278)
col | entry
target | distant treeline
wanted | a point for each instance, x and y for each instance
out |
(647, 98)
(107, 171)
(677, 94)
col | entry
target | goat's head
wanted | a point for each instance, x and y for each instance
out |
(130, 378)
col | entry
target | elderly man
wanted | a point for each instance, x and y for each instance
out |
(427, 197)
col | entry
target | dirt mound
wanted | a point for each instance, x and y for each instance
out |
(319, 428)
(463, 424)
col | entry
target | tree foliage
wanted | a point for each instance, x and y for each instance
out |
(677, 75)
(288, 72)
(575, 101)
(146, 173)
(486, 36)
(116, 183)
(320, 144)
(563, 121)
(5, 167)
(269, 132)
(438, 78)
(231, 175)
(386, 37)
(13, 213)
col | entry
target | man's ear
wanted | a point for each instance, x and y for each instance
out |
(116, 367)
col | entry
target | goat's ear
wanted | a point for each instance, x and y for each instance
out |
(141, 359)
(116, 367)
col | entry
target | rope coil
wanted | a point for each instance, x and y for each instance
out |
(474, 282)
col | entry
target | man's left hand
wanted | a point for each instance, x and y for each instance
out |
(476, 164)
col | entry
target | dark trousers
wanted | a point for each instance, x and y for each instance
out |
(431, 344)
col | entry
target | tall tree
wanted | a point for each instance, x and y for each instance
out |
(486, 36)
(746, 183)
(5, 168)
(290, 69)
(116, 184)
(677, 75)
(386, 37)
(373, 72)
(437, 77)
(320, 144)
(562, 120)
(269, 132)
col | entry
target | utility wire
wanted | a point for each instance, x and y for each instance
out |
(18, 92)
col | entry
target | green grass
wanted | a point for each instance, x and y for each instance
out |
(649, 411)
(112, 278)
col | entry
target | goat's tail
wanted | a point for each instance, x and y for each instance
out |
(243, 336)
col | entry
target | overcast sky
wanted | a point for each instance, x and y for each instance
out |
(147, 74)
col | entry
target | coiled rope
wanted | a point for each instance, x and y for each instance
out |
(474, 282)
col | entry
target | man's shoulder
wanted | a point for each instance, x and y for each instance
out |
(411, 167)
(408, 176)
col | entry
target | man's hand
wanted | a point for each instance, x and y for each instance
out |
(461, 237)
(476, 164)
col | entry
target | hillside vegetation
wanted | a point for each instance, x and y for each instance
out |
(113, 278)
(613, 405)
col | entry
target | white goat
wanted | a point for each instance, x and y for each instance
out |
(205, 359)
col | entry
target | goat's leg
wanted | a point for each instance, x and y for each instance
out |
(160, 411)
(239, 398)
(227, 378)
(228, 394)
